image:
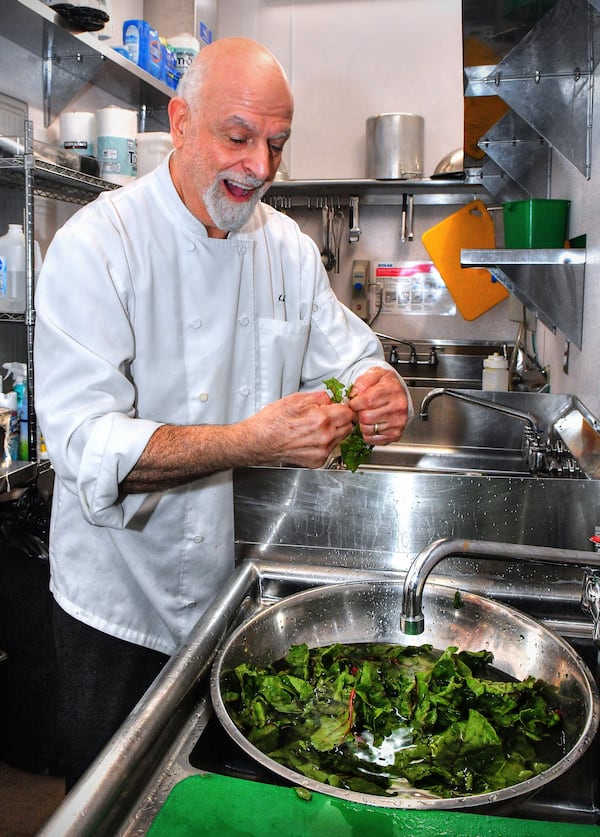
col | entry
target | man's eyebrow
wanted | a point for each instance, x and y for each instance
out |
(240, 122)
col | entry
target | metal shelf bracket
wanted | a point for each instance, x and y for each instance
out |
(550, 282)
(548, 79)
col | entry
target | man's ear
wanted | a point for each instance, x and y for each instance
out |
(178, 115)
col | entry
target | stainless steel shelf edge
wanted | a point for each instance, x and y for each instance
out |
(550, 282)
(547, 257)
(376, 192)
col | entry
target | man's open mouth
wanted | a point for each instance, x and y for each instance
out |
(239, 190)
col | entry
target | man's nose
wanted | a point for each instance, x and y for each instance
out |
(260, 160)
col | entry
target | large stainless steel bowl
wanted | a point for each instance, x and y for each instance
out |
(370, 612)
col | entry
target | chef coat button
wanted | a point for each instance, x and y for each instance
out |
(244, 321)
(196, 323)
(189, 245)
(245, 391)
(198, 538)
(315, 308)
(243, 249)
(191, 604)
(203, 396)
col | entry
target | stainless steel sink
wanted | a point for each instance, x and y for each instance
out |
(466, 438)
(297, 528)
(448, 460)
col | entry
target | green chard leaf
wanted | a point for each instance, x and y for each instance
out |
(354, 449)
(458, 727)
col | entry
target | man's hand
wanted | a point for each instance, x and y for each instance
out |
(381, 405)
(300, 429)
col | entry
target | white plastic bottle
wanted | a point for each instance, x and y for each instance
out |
(495, 373)
(12, 270)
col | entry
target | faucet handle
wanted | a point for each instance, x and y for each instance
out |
(590, 601)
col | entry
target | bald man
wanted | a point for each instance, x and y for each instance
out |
(183, 328)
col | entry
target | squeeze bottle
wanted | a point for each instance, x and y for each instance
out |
(495, 373)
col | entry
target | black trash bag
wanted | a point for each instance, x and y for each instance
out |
(25, 523)
(28, 675)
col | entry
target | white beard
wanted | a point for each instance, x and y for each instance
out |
(226, 213)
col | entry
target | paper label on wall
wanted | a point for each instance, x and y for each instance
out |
(411, 288)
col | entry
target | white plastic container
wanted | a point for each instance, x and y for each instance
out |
(116, 129)
(186, 48)
(78, 131)
(12, 270)
(495, 373)
(152, 148)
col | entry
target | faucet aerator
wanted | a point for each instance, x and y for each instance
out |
(412, 625)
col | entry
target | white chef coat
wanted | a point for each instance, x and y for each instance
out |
(142, 319)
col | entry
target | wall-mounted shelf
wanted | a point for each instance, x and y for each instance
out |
(72, 59)
(52, 181)
(435, 191)
(549, 282)
(545, 75)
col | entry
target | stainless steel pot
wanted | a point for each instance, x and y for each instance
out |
(370, 612)
(395, 146)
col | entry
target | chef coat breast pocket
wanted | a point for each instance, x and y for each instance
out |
(281, 348)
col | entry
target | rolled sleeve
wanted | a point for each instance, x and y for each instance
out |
(113, 448)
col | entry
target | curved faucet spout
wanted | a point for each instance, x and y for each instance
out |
(528, 418)
(413, 352)
(412, 620)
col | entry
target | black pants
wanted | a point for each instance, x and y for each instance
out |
(101, 678)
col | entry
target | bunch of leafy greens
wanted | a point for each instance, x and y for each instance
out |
(354, 449)
(362, 717)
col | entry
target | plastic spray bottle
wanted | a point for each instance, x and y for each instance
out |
(19, 374)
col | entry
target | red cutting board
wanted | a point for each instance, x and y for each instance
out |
(472, 288)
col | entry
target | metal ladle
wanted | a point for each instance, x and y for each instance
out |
(327, 254)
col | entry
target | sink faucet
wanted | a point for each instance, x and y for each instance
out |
(412, 620)
(528, 418)
(413, 352)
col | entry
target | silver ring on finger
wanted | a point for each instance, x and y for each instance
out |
(376, 430)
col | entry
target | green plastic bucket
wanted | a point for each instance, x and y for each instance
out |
(535, 223)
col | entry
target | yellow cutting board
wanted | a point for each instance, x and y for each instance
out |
(472, 288)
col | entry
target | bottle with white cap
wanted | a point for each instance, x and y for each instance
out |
(495, 373)
(12, 270)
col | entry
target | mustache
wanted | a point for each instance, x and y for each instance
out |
(246, 182)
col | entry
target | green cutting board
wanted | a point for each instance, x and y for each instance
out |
(227, 807)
